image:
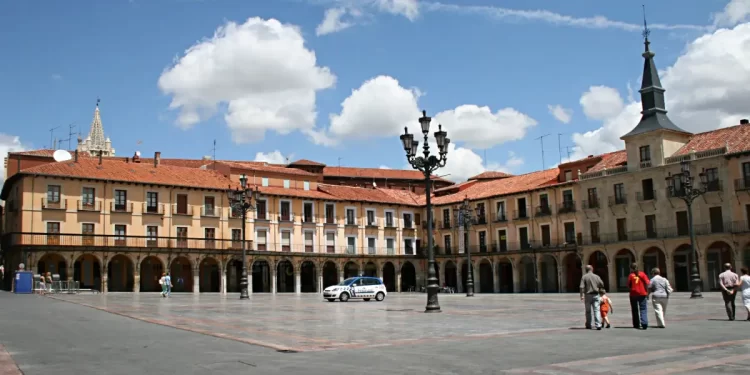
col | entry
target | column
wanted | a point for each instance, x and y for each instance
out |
(398, 281)
(516, 279)
(612, 276)
(273, 282)
(320, 281)
(495, 278)
(341, 274)
(196, 280)
(539, 275)
(223, 286)
(669, 265)
(297, 281)
(137, 279)
(459, 278)
(703, 271)
(477, 282)
(249, 280)
(104, 279)
(560, 286)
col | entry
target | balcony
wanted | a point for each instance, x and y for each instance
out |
(210, 211)
(617, 200)
(520, 215)
(308, 219)
(424, 224)
(390, 224)
(260, 216)
(118, 241)
(644, 196)
(330, 220)
(178, 210)
(350, 222)
(60, 204)
(481, 220)
(566, 207)
(591, 204)
(372, 223)
(408, 225)
(444, 225)
(286, 218)
(645, 164)
(158, 209)
(501, 217)
(668, 232)
(742, 184)
(89, 206)
(125, 208)
(543, 210)
(714, 185)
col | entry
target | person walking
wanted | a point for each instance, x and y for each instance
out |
(659, 291)
(162, 282)
(168, 284)
(744, 285)
(728, 282)
(606, 306)
(638, 283)
(591, 283)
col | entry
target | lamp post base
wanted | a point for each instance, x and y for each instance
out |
(696, 289)
(243, 288)
(432, 300)
(469, 289)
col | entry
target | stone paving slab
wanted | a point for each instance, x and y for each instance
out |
(309, 323)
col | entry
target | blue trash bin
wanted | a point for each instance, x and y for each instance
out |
(24, 282)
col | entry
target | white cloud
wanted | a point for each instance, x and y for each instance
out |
(385, 167)
(735, 12)
(332, 22)
(478, 127)
(463, 163)
(708, 87)
(8, 143)
(274, 157)
(561, 113)
(406, 8)
(261, 69)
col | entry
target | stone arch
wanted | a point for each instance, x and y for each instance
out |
(624, 258)
(285, 276)
(87, 270)
(450, 277)
(573, 272)
(53, 263)
(717, 254)
(389, 276)
(209, 272)
(181, 273)
(351, 269)
(408, 276)
(307, 277)
(486, 276)
(330, 274)
(654, 257)
(505, 275)
(261, 275)
(548, 273)
(371, 269)
(599, 261)
(233, 272)
(151, 269)
(120, 274)
(527, 274)
(682, 259)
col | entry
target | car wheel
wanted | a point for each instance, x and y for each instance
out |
(366, 299)
(331, 299)
(380, 296)
(344, 297)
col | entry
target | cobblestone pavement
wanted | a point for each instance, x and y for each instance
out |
(487, 334)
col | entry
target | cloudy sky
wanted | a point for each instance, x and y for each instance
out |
(338, 80)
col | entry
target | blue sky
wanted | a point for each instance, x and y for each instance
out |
(60, 56)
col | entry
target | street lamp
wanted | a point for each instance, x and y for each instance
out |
(465, 218)
(241, 199)
(681, 186)
(428, 164)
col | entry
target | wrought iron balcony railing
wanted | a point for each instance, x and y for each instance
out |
(59, 204)
(91, 206)
(126, 208)
(157, 209)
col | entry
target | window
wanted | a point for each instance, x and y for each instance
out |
(650, 226)
(389, 219)
(152, 234)
(209, 206)
(619, 194)
(182, 236)
(371, 218)
(681, 218)
(544, 208)
(260, 210)
(53, 227)
(371, 245)
(330, 242)
(568, 175)
(521, 204)
(53, 233)
(121, 231)
(502, 238)
(568, 204)
(481, 217)
(87, 230)
(286, 241)
(286, 184)
(307, 213)
(210, 235)
(121, 200)
(264, 181)
(237, 238)
(262, 241)
(152, 202)
(593, 198)
(87, 197)
(594, 230)
(407, 220)
(570, 233)
(53, 194)
(523, 237)
(351, 245)
(501, 211)
(482, 242)
(676, 188)
(182, 204)
(622, 230)
(645, 153)
(648, 189)
(307, 185)
(330, 213)
(309, 244)
(447, 243)
(712, 179)
(715, 217)
(350, 217)
(390, 246)
(408, 247)
(546, 235)
(286, 211)
(446, 218)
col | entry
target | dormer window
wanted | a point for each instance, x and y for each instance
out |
(645, 153)
(568, 175)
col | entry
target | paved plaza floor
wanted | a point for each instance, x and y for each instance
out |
(290, 334)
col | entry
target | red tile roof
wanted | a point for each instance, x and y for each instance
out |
(376, 173)
(307, 162)
(384, 196)
(736, 137)
(610, 160)
(505, 186)
(43, 152)
(490, 175)
(265, 167)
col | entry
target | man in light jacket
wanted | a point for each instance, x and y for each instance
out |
(659, 291)
(591, 283)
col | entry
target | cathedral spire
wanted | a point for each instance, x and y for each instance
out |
(96, 143)
(654, 113)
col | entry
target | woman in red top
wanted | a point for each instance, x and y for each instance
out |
(638, 284)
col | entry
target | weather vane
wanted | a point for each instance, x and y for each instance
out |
(97, 101)
(646, 31)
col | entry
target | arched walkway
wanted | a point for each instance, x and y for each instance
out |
(623, 260)
(598, 261)
(210, 276)
(261, 277)
(284, 277)
(653, 257)
(88, 272)
(682, 260)
(451, 275)
(330, 274)
(505, 274)
(486, 281)
(151, 270)
(389, 276)
(408, 276)
(234, 275)
(371, 269)
(120, 274)
(548, 268)
(181, 272)
(307, 277)
(717, 254)
(53, 263)
(351, 269)
(573, 272)
(527, 275)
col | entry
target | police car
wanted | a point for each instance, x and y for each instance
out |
(360, 287)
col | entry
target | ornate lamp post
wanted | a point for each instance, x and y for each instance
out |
(681, 186)
(465, 218)
(241, 199)
(428, 164)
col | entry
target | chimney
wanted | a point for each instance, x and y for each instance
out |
(136, 158)
(744, 121)
(157, 158)
(76, 156)
(100, 158)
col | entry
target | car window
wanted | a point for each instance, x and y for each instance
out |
(347, 281)
(372, 282)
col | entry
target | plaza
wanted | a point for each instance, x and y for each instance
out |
(529, 333)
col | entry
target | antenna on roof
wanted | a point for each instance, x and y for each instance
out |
(541, 139)
(214, 155)
(71, 133)
(51, 134)
(559, 146)
(569, 148)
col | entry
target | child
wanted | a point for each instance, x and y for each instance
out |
(162, 282)
(605, 306)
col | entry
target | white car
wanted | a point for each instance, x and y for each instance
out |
(360, 287)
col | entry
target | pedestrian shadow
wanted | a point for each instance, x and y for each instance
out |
(718, 320)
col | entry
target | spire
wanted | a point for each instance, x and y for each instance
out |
(652, 94)
(97, 131)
